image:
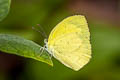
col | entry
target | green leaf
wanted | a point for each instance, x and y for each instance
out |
(16, 45)
(4, 8)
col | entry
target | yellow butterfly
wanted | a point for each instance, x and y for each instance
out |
(69, 42)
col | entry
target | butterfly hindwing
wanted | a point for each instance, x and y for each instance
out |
(70, 42)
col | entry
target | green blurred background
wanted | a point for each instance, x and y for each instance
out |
(104, 22)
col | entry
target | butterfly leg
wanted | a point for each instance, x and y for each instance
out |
(51, 56)
(41, 50)
(50, 53)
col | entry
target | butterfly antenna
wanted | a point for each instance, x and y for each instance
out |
(41, 31)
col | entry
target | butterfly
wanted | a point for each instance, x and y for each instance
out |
(69, 42)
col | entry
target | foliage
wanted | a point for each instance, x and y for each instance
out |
(4, 8)
(20, 46)
(17, 45)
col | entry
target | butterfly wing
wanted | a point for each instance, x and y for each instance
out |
(69, 42)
